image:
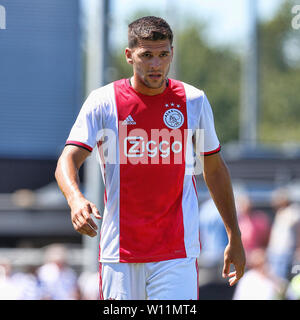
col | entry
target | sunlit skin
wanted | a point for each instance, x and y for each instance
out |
(151, 62)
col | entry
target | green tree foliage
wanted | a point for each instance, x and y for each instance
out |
(216, 71)
(279, 78)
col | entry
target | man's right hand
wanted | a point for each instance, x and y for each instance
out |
(67, 178)
(81, 210)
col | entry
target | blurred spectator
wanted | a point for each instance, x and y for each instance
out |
(255, 225)
(88, 283)
(29, 286)
(58, 280)
(212, 234)
(285, 234)
(258, 283)
(214, 239)
(9, 290)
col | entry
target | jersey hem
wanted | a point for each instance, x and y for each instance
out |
(209, 153)
(79, 144)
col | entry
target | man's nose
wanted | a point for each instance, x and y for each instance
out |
(155, 63)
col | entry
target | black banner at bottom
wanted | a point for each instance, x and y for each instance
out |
(113, 309)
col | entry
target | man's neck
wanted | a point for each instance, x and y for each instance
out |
(143, 89)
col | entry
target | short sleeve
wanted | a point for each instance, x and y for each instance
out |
(211, 142)
(87, 125)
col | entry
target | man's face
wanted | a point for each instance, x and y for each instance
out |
(151, 63)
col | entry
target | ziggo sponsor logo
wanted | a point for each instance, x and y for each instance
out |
(139, 146)
(159, 146)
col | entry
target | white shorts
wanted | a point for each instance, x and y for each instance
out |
(165, 280)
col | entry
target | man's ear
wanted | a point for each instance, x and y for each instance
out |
(128, 55)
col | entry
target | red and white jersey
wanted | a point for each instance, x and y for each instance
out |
(146, 146)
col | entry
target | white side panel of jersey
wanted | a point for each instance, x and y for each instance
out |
(109, 241)
(201, 117)
(190, 212)
(189, 198)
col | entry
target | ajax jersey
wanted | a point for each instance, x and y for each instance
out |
(146, 146)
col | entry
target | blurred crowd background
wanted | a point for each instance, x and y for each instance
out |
(45, 75)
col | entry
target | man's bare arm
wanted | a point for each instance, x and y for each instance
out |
(217, 178)
(67, 178)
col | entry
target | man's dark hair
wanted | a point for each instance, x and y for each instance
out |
(148, 28)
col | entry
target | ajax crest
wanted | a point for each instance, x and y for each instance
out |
(173, 118)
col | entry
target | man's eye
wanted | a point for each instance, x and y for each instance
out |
(147, 55)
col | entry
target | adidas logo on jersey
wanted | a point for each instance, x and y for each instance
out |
(128, 120)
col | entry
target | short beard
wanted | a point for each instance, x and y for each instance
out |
(151, 86)
(147, 84)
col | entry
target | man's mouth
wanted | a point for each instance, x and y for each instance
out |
(155, 76)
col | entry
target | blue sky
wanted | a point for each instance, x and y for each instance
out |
(227, 21)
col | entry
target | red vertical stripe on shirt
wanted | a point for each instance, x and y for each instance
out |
(151, 217)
